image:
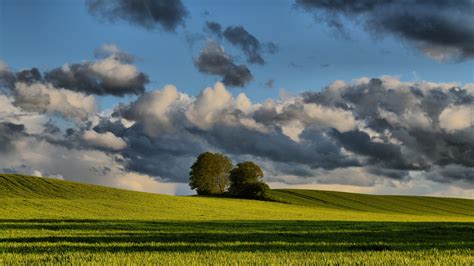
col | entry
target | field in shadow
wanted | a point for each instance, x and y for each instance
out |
(40, 236)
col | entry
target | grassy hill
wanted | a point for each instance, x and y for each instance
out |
(414, 205)
(48, 221)
(25, 197)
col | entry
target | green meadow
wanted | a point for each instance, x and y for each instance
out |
(51, 221)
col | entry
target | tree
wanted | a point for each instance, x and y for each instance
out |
(246, 181)
(257, 190)
(210, 174)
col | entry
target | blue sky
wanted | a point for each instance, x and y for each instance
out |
(50, 33)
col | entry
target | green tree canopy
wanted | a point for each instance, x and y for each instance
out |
(246, 181)
(210, 173)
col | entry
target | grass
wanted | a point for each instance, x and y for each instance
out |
(410, 205)
(52, 221)
(271, 242)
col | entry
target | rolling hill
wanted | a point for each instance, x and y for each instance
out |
(26, 197)
(375, 203)
(49, 221)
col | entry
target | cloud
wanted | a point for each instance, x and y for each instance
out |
(442, 30)
(214, 60)
(383, 127)
(9, 132)
(32, 121)
(3, 67)
(375, 133)
(108, 76)
(154, 110)
(448, 173)
(386, 155)
(314, 115)
(209, 106)
(29, 76)
(7, 78)
(149, 14)
(405, 116)
(241, 38)
(456, 117)
(316, 150)
(30, 154)
(111, 74)
(164, 155)
(104, 140)
(35, 154)
(145, 183)
(45, 98)
(111, 50)
(171, 127)
(214, 27)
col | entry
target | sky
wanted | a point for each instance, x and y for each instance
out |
(364, 96)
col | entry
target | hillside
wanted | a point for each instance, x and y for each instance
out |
(24, 197)
(375, 203)
(49, 221)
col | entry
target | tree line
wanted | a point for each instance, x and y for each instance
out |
(215, 174)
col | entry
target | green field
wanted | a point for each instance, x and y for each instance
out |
(52, 221)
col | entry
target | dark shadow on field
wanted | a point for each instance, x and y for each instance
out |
(195, 236)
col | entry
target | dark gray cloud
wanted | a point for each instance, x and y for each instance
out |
(386, 155)
(395, 174)
(241, 38)
(29, 76)
(167, 156)
(318, 150)
(441, 29)
(214, 27)
(8, 133)
(8, 78)
(149, 14)
(93, 78)
(27, 90)
(111, 74)
(214, 60)
(448, 173)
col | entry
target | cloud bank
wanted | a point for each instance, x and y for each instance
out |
(372, 133)
(382, 129)
(443, 30)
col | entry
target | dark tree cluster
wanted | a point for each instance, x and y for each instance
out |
(214, 174)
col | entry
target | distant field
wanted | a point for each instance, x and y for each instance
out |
(41, 198)
(410, 205)
(46, 220)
